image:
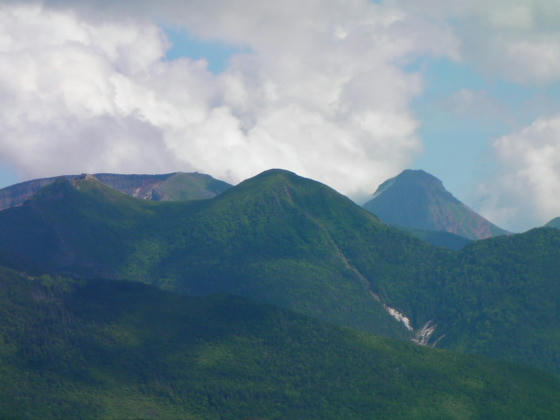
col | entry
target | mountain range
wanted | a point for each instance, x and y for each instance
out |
(173, 186)
(290, 241)
(103, 262)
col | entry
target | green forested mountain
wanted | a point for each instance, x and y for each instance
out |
(279, 238)
(496, 297)
(174, 187)
(110, 349)
(417, 200)
(439, 238)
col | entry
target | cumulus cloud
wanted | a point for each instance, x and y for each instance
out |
(64, 101)
(517, 39)
(524, 193)
(84, 86)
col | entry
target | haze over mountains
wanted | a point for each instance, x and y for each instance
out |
(417, 200)
(279, 239)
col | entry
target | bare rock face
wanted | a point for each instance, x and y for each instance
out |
(177, 186)
(417, 200)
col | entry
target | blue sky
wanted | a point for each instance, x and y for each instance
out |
(184, 44)
(458, 145)
(7, 176)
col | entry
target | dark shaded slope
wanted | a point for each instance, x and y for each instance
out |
(101, 349)
(418, 200)
(71, 227)
(176, 186)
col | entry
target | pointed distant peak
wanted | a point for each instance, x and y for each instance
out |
(418, 174)
(415, 199)
(412, 178)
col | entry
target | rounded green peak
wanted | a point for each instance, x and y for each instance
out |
(274, 172)
(271, 177)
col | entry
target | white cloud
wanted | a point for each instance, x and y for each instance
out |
(84, 87)
(60, 81)
(517, 39)
(525, 191)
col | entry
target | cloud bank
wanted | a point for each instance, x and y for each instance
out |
(528, 178)
(321, 91)
(518, 40)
